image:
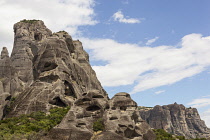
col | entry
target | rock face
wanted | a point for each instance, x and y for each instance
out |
(5, 80)
(52, 70)
(176, 119)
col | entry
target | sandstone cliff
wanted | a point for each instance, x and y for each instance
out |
(48, 70)
(176, 119)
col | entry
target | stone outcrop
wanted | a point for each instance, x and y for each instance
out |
(51, 70)
(176, 119)
(5, 80)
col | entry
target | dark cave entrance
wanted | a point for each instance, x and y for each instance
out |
(69, 90)
(38, 36)
(58, 102)
(49, 66)
(93, 108)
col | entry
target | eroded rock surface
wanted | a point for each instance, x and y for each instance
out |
(51, 70)
(123, 118)
(176, 119)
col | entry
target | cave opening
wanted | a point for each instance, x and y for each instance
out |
(93, 108)
(69, 90)
(8, 98)
(58, 102)
(49, 66)
(123, 108)
(38, 36)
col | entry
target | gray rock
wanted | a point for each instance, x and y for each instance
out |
(4, 99)
(52, 70)
(123, 118)
(176, 119)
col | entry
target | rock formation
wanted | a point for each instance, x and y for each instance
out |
(48, 70)
(176, 119)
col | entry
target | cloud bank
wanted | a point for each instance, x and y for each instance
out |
(118, 16)
(148, 67)
(57, 15)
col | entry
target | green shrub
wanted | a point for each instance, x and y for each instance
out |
(98, 125)
(163, 135)
(26, 126)
(29, 21)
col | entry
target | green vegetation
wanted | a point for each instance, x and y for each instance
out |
(27, 126)
(29, 21)
(62, 32)
(98, 125)
(163, 135)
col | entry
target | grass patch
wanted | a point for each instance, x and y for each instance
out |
(163, 135)
(26, 126)
(29, 21)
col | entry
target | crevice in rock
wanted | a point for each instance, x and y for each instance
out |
(93, 108)
(84, 94)
(58, 102)
(98, 96)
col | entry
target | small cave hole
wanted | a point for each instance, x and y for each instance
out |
(123, 108)
(49, 66)
(113, 108)
(113, 118)
(8, 98)
(122, 125)
(69, 90)
(58, 102)
(84, 94)
(93, 108)
(98, 96)
(38, 36)
(107, 107)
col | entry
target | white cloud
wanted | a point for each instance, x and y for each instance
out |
(148, 67)
(159, 92)
(125, 2)
(118, 16)
(201, 103)
(149, 42)
(57, 15)
(206, 117)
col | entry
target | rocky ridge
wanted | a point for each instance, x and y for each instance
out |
(48, 70)
(176, 119)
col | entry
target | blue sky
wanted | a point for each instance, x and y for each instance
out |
(157, 50)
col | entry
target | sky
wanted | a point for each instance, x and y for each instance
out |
(156, 50)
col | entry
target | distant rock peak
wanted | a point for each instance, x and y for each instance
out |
(176, 119)
(4, 53)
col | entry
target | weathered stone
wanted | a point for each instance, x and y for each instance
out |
(52, 70)
(123, 118)
(4, 99)
(176, 119)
